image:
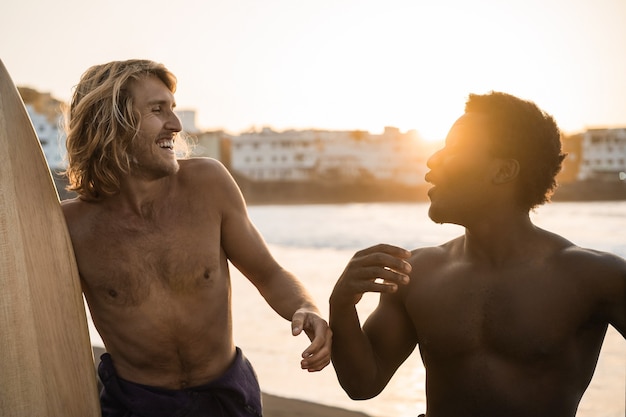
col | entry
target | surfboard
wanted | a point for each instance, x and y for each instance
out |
(46, 361)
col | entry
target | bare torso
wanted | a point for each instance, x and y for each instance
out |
(157, 285)
(510, 340)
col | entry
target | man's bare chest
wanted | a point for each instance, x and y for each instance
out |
(127, 263)
(524, 313)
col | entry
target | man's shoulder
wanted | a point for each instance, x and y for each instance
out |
(75, 207)
(201, 168)
(440, 252)
(200, 162)
(210, 175)
(69, 203)
(577, 255)
(442, 248)
(80, 215)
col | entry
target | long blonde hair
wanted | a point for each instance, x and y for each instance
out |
(102, 125)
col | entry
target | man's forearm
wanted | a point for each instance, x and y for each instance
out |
(287, 294)
(352, 355)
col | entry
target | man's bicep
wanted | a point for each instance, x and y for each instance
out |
(619, 317)
(613, 286)
(391, 333)
(243, 244)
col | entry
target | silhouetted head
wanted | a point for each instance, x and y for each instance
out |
(520, 130)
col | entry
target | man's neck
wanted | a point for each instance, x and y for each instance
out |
(142, 198)
(500, 240)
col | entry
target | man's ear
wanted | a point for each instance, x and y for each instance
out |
(506, 170)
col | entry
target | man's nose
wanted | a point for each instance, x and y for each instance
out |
(433, 159)
(173, 123)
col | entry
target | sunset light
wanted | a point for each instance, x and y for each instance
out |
(250, 192)
(338, 64)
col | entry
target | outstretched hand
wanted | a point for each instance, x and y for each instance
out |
(317, 355)
(379, 268)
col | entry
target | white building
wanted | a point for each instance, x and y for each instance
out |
(337, 156)
(276, 156)
(603, 154)
(51, 136)
(188, 120)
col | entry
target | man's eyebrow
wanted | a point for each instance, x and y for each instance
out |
(161, 102)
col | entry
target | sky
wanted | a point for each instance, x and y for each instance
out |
(337, 64)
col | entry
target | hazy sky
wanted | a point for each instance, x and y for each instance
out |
(337, 64)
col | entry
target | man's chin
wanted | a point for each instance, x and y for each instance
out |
(432, 213)
(436, 214)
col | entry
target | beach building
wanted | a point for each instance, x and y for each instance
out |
(46, 115)
(51, 136)
(603, 155)
(212, 144)
(277, 156)
(333, 156)
(188, 120)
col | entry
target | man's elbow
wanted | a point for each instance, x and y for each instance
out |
(359, 391)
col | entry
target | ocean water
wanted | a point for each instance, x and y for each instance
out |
(316, 241)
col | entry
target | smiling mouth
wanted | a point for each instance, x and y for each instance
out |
(166, 144)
